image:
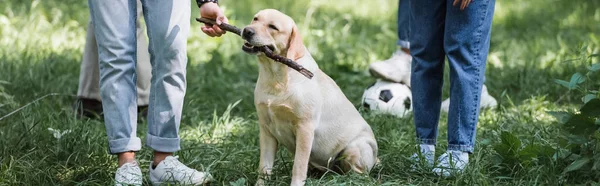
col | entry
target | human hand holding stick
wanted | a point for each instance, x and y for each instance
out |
(268, 52)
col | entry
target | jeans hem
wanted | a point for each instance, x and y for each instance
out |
(403, 44)
(463, 148)
(426, 141)
(124, 145)
(163, 144)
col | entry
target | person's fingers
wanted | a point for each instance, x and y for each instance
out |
(217, 29)
(225, 20)
(455, 2)
(208, 31)
(464, 4)
(204, 30)
(219, 19)
(212, 32)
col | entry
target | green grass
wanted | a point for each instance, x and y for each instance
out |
(41, 44)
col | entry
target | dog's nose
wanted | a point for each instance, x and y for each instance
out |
(248, 33)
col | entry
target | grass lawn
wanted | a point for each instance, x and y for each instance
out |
(533, 43)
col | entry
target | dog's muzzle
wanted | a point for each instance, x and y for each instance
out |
(248, 33)
(249, 47)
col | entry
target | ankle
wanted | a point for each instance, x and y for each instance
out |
(405, 50)
(159, 157)
(126, 157)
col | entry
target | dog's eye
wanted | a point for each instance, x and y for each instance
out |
(255, 18)
(273, 27)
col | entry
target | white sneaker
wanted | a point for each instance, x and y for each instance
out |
(451, 162)
(487, 101)
(172, 171)
(395, 69)
(427, 152)
(128, 174)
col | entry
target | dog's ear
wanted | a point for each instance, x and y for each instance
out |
(295, 45)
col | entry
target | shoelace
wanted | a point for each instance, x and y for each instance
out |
(129, 167)
(129, 171)
(446, 159)
(178, 166)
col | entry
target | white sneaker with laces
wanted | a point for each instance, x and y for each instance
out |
(395, 69)
(172, 171)
(451, 162)
(487, 101)
(128, 174)
(427, 152)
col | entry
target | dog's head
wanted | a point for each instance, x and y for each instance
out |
(275, 30)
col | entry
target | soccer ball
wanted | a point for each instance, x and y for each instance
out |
(388, 98)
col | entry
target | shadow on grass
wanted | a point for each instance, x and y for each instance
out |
(537, 42)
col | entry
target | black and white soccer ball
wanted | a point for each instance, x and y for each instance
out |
(388, 98)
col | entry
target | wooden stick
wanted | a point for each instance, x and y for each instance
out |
(224, 26)
(264, 49)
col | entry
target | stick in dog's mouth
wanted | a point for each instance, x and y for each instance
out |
(265, 49)
(268, 51)
(251, 49)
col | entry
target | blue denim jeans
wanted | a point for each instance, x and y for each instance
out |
(403, 24)
(168, 25)
(439, 29)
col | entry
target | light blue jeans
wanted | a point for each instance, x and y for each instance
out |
(437, 30)
(168, 24)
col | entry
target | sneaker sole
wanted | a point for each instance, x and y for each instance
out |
(376, 74)
(176, 183)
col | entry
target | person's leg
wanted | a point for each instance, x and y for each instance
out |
(168, 28)
(466, 42)
(88, 74)
(143, 67)
(114, 25)
(88, 101)
(89, 87)
(426, 36)
(427, 28)
(397, 68)
(168, 25)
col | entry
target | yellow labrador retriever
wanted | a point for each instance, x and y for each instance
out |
(312, 118)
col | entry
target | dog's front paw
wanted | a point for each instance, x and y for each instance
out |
(260, 182)
(297, 183)
(261, 178)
